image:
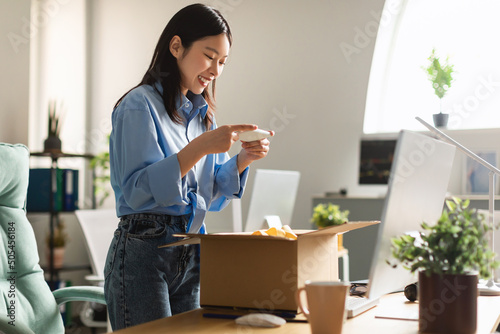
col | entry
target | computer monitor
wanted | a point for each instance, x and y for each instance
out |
(417, 188)
(375, 161)
(273, 194)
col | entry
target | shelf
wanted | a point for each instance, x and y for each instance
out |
(50, 270)
(46, 212)
(54, 155)
(69, 268)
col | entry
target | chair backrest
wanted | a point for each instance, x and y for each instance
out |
(26, 299)
(98, 227)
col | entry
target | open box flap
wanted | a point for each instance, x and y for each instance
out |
(190, 240)
(353, 225)
(194, 238)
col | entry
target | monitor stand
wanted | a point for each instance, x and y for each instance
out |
(272, 221)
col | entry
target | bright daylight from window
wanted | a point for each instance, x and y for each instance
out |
(466, 31)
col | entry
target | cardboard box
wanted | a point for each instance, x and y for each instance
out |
(263, 272)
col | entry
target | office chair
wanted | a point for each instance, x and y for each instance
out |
(26, 300)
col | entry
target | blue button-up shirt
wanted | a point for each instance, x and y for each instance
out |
(145, 172)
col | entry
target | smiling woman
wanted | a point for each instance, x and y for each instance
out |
(169, 166)
(461, 30)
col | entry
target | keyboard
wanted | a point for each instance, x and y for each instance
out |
(358, 305)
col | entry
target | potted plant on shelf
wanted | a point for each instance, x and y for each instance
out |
(325, 215)
(440, 74)
(60, 239)
(53, 143)
(100, 163)
(448, 257)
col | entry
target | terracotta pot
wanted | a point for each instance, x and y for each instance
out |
(447, 303)
(58, 257)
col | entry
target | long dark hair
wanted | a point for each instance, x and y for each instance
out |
(191, 23)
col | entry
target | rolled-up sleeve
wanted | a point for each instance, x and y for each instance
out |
(229, 183)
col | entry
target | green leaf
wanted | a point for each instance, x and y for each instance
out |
(440, 74)
(452, 205)
(456, 244)
(327, 215)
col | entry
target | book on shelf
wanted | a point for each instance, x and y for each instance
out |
(65, 190)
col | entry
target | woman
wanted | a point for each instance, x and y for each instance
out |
(169, 166)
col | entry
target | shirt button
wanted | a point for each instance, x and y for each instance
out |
(187, 105)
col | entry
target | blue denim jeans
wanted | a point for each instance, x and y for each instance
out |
(144, 282)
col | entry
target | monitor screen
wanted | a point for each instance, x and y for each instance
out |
(375, 161)
(416, 193)
(273, 194)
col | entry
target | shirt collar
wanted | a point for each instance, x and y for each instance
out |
(192, 101)
(197, 101)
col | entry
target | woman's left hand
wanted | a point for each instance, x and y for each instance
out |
(251, 151)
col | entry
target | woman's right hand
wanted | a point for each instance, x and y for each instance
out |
(221, 139)
(215, 141)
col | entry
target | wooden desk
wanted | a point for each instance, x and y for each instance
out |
(194, 322)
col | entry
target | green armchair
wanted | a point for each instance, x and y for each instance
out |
(26, 303)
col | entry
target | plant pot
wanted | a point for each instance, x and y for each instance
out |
(52, 144)
(447, 303)
(440, 120)
(58, 257)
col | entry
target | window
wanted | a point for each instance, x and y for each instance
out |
(398, 91)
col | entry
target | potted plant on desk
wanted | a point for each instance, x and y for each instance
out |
(448, 258)
(325, 215)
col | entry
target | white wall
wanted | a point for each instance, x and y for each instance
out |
(59, 72)
(14, 67)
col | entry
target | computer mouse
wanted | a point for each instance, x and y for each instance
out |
(261, 320)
